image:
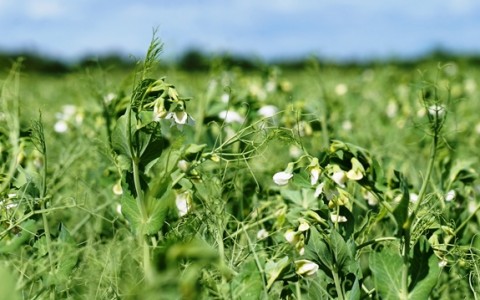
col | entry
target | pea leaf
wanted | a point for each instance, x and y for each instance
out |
(424, 270)
(386, 267)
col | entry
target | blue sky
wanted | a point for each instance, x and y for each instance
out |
(268, 29)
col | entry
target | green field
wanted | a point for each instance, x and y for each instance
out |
(321, 182)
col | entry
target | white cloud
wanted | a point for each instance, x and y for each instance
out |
(45, 9)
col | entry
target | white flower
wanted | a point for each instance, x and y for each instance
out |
(314, 175)
(357, 171)
(291, 236)
(413, 197)
(225, 98)
(230, 116)
(180, 118)
(268, 111)
(304, 267)
(303, 226)
(442, 263)
(347, 125)
(108, 98)
(436, 110)
(341, 89)
(117, 188)
(338, 218)
(183, 165)
(118, 209)
(392, 109)
(183, 203)
(60, 126)
(319, 190)
(450, 195)
(282, 178)
(340, 177)
(262, 234)
(370, 197)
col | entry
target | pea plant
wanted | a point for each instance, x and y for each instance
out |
(242, 187)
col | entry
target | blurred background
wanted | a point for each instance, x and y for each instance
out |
(266, 30)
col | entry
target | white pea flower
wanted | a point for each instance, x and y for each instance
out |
(282, 178)
(338, 218)
(340, 177)
(262, 234)
(319, 190)
(413, 197)
(118, 209)
(450, 196)
(315, 170)
(357, 171)
(443, 263)
(371, 199)
(305, 267)
(183, 201)
(60, 126)
(268, 111)
(291, 236)
(230, 116)
(225, 97)
(341, 89)
(303, 226)
(436, 110)
(180, 118)
(117, 188)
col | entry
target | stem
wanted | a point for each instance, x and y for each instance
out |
(338, 286)
(408, 225)
(374, 241)
(147, 262)
(48, 237)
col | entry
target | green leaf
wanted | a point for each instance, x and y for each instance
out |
(157, 211)
(386, 267)
(68, 255)
(150, 143)
(424, 270)
(355, 292)
(7, 288)
(341, 253)
(274, 270)
(131, 212)
(318, 251)
(120, 135)
(28, 228)
(248, 284)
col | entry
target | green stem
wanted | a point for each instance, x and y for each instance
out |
(48, 237)
(338, 286)
(147, 262)
(408, 225)
(374, 241)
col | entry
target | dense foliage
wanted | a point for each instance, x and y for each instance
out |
(315, 183)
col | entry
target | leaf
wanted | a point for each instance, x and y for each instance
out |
(341, 253)
(7, 288)
(317, 251)
(248, 284)
(424, 270)
(157, 210)
(274, 270)
(386, 267)
(354, 293)
(131, 212)
(151, 143)
(28, 227)
(68, 255)
(120, 136)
